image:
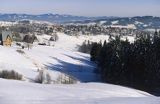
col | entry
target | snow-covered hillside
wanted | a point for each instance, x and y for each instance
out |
(72, 43)
(5, 23)
(62, 58)
(16, 92)
(51, 59)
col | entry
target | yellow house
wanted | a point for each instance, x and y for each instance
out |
(6, 38)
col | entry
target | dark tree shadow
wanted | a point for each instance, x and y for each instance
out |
(84, 71)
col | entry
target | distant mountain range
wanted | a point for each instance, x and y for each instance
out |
(139, 22)
(54, 18)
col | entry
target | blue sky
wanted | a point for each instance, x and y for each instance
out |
(83, 7)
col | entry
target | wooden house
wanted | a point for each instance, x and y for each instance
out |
(6, 38)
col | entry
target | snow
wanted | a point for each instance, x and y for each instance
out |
(43, 38)
(91, 23)
(115, 22)
(82, 93)
(152, 30)
(40, 22)
(73, 63)
(130, 38)
(102, 22)
(62, 58)
(55, 60)
(72, 42)
(130, 26)
(11, 60)
(145, 25)
(5, 23)
(137, 22)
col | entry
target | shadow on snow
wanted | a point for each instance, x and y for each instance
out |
(83, 71)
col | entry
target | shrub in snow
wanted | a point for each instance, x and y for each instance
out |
(66, 79)
(54, 38)
(20, 51)
(10, 75)
(43, 77)
(40, 77)
(42, 44)
(18, 44)
(48, 78)
(29, 38)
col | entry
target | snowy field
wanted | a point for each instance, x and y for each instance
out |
(72, 43)
(18, 92)
(62, 58)
(50, 59)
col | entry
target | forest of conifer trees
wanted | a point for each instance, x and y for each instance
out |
(134, 64)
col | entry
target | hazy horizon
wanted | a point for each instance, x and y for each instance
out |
(89, 8)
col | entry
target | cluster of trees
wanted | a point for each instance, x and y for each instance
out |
(88, 45)
(85, 47)
(131, 64)
(6, 74)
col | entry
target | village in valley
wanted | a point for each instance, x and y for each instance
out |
(27, 31)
